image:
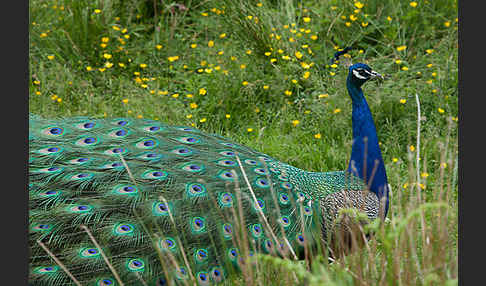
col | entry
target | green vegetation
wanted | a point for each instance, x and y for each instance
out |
(259, 73)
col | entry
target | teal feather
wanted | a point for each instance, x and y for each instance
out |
(162, 202)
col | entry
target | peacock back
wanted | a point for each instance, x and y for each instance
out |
(142, 202)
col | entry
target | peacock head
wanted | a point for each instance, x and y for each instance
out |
(360, 73)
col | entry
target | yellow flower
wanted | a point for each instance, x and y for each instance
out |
(43, 35)
(332, 73)
(173, 58)
(389, 18)
(288, 92)
(175, 95)
(259, 4)
(405, 185)
(105, 39)
(434, 74)
(353, 18)
(101, 69)
(395, 160)
(163, 92)
(211, 44)
(204, 14)
(242, 66)
(38, 92)
(306, 75)
(424, 175)
(249, 129)
(140, 116)
(193, 105)
(257, 110)
(291, 40)
(422, 186)
(398, 62)
(88, 68)
(193, 46)
(364, 24)
(294, 81)
(298, 55)
(413, 4)
(429, 51)
(317, 136)
(107, 56)
(323, 95)
(249, 17)
(305, 65)
(306, 19)
(265, 87)
(189, 95)
(97, 11)
(401, 48)
(122, 65)
(248, 52)
(189, 116)
(227, 116)
(208, 70)
(348, 24)
(202, 91)
(337, 110)
(202, 120)
(50, 57)
(158, 47)
(59, 100)
(403, 101)
(273, 60)
(358, 5)
(295, 122)
(314, 37)
(447, 24)
(103, 45)
(430, 65)
(404, 68)
(36, 82)
(412, 148)
(126, 36)
(245, 83)
(108, 65)
(125, 100)
(124, 30)
(143, 65)
(443, 165)
(222, 35)
(285, 57)
(440, 110)
(268, 54)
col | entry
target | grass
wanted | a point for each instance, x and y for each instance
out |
(260, 75)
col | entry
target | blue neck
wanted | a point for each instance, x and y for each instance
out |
(366, 160)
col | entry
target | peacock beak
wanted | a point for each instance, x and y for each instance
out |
(376, 75)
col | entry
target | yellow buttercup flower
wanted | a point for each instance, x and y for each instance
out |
(288, 92)
(249, 129)
(358, 4)
(143, 65)
(202, 91)
(403, 101)
(193, 105)
(413, 4)
(401, 48)
(337, 110)
(306, 19)
(158, 47)
(107, 56)
(211, 44)
(50, 57)
(317, 136)
(295, 122)
(97, 11)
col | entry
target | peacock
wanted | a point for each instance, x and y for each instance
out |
(137, 202)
